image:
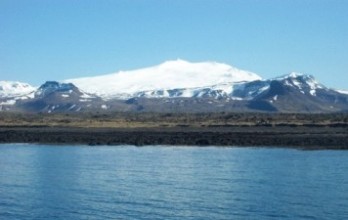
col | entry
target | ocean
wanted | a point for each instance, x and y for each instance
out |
(164, 182)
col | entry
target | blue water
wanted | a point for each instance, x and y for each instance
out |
(80, 182)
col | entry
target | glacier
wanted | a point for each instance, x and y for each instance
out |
(170, 75)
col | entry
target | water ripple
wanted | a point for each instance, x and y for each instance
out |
(171, 183)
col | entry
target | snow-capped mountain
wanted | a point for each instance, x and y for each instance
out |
(64, 90)
(294, 92)
(305, 84)
(182, 79)
(168, 76)
(177, 86)
(299, 93)
(54, 96)
(11, 91)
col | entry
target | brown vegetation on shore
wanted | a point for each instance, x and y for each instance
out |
(310, 131)
(141, 120)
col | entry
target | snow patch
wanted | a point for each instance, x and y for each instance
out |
(85, 100)
(263, 89)
(71, 107)
(297, 84)
(86, 96)
(292, 75)
(236, 98)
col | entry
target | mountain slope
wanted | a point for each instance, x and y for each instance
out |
(169, 75)
(294, 92)
(300, 93)
(59, 97)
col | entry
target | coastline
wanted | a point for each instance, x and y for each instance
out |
(301, 137)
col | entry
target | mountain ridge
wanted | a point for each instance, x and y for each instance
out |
(234, 90)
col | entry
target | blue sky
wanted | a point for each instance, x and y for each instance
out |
(58, 39)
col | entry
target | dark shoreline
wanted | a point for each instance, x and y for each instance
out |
(301, 137)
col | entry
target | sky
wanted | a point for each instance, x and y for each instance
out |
(44, 40)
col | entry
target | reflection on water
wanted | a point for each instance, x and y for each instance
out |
(77, 182)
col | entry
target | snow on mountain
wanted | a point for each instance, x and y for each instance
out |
(53, 86)
(182, 79)
(249, 90)
(303, 82)
(65, 91)
(170, 75)
(205, 86)
(213, 91)
(343, 91)
(10, 89)
(53, 96)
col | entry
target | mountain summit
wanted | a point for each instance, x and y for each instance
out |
(177, 74)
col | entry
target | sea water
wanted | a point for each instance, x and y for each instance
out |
(161, 182)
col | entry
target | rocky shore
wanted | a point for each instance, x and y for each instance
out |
(303, 137)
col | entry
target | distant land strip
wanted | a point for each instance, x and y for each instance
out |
(301, 137)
